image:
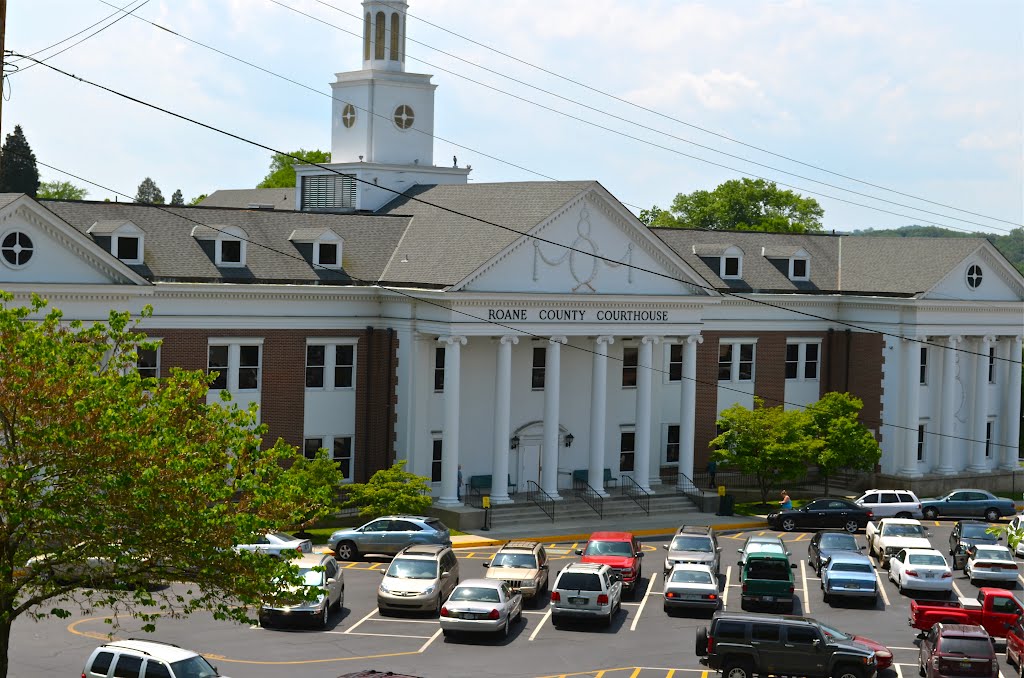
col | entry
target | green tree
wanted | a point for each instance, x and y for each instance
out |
(743, 205)
(839, 440)
(60, 190)
(282, 170)
(198, 199)
(101, 465)
(177, 199)
(18, 171)
(390, 490)
(149, 193)
(769, 443)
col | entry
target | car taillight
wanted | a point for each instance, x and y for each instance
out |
(910, 573)
(871, 514)
(711, 645)
(947, 575)
(671, 594)
(711, 596)
(493, 614)
(444, 611)
(744, 587)
(556, 597)
(791, 588)
(602, 599)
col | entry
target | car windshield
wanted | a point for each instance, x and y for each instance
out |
(579, 581)
(903, 531)
(851, 567)
(968, 647)
(833, 634)
(609, 548)
(993, 554)
(311, 577)
(281, 536)
(839, 542)
(480, 594)
(523, 560)
(408, 568)
(926, 559)
(193, 667)
(761, 547)
(692, 544)
(977, 532)
(692, 577)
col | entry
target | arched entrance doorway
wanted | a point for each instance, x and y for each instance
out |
(527, 458)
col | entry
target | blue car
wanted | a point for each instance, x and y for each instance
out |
(968, 504)
(849, 575)
(387, 536)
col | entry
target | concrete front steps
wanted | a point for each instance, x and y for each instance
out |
(522, 514)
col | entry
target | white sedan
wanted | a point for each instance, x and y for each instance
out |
(921, 570)
(987, 562)
(277, 543)
(481, 605)
(691, 586)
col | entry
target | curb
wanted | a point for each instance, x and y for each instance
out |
(482, 542)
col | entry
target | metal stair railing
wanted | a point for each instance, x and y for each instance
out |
(640, 496)
(593, 498)
(542, 499)
(689, 489)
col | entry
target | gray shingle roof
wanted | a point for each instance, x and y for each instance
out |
(441, 248)
(173, 254)
(901, 265)
(7, 198)
(242, 198)
(106, 226)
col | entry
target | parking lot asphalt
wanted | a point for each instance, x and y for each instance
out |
(642, 642)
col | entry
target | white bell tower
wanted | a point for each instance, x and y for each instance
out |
(382, 123)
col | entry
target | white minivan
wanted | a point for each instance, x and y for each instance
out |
(147, 659)
(891, 503)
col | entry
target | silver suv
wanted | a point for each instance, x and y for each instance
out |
(891, 503)
(586, 591)
(146, 658)
(419, 579)
(694, 544)
(388, 536)
(318, 571)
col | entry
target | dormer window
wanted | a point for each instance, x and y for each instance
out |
(127, 248)
(794, 261)
(731, 264)
(229, 252)
(228, 244)
(799, 267)
(321, 246)
(327, 253)
(124, 239)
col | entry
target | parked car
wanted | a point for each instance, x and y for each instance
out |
(994, 609)
(481, 605)
(150, 658)
(586, 591)
(968, 503)
(619, 550)
(327, 593)
(420, 578)
(766, 575)
(822, 513)
(691, 586)
(891, 503)
(1015, 644)
(957, 650)
(277, 544)
(921, 570)
(991, 563)
(694, 544)
(967, 533)
(824, 544)
(888, 536)
(387, 536)
(742, 645)
(524, 566)
(848, 574)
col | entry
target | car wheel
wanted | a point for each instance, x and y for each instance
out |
(555, 620)
(826, 597)
(437, 607)
(519, 616)
(848, 671)
(920, 667)
(931, 513)
(701, 649)
(346, 550)
(788, 524)
(738, 670)
(325, 617)
(851, 526)
(447, 633)
(992, 515)
(504, 629)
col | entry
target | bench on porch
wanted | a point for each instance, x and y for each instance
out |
(480, 484)
(582, 475)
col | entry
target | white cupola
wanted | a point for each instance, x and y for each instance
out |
(384, 35)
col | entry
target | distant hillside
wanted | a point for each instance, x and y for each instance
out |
(1011, 244)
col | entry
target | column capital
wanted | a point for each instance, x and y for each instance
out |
(695, 339)
(558, 340)
(954, 339)
(509, 339)
(914, 338)
(651, 339)
(605, 339)
(452, 339)
(989, 339)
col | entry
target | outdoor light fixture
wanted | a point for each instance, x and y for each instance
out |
(514, 442)
(568, 439)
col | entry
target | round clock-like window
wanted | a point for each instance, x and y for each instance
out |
(404, 117)
(348, 115)
(974, 276)
(16, 248)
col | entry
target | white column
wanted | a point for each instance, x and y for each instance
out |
(598, 413)
(642, 473)
(450, 436)
(978, 462)
(688, 405)
(911, 400)
(1011, 403)
(502, 416)
(552, 379)
(946, 414)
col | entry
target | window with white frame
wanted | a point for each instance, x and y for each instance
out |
(630, 360)
(342, 455)
(435, 460)
(799, 268)
(675, 362)
(228, 244)
(735, 360)
(218, 362)
(627, 449)
(438, 369)
(672, 444)
(538, 368)
(326, 254)
(731, 264)
(921, 435)
(127, 246)
(249, 367)
(148, 362)
(310, 447)
(802, 360)
(330, 365)
(924, 365)
(230, 252)
(991, 364)
(237, 363)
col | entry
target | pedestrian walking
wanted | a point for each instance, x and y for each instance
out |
(712, 469)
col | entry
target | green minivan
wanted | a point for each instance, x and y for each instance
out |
(766, 575)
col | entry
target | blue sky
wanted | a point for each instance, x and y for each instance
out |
(926, 98)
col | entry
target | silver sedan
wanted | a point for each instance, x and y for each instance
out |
(691, 586)
(481, 605)
(278, 543)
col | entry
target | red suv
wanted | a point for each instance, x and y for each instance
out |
(1015, 644)
(618, 550)
(958, 650)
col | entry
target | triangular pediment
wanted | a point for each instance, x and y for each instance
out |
(37, 247)
(983, 275)
(592, 246)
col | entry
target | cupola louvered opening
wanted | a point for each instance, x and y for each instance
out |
(329, 192)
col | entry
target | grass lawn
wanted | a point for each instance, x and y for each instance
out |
(756, 508)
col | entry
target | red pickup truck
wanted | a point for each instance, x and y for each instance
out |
(997, 610)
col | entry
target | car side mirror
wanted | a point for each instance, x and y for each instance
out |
(544, 567)
(718, 549)
(332, 580)
(863, 548)
(789, 553)
(445, 575)
(740, 563)
(740, 551)
(639, 555)
(579, 552)
(665, 546)
(486, 564)
(792, 566)
(817, 644)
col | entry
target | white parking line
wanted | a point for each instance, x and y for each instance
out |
(432, 639)
(356, 625)
(881, 589)
(387, 635)
(535, 611)
(403, 621)
(640, 610)
(540, 625)
(899, 672)
(725, 592)
(959, 593)
(807, 598)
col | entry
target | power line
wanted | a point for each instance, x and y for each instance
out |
(683, 122)
(120, 10)
(660, 274)
(519, 331)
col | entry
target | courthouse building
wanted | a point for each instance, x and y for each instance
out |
(530, 330)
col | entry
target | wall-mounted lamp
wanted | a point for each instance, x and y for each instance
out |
(568, 439)
(514, 442)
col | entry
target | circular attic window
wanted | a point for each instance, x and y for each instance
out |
(404, 117)
(348, 115)
(974, 276)
(16, 248)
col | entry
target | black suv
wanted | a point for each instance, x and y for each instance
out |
(967, 533)
(741, 645)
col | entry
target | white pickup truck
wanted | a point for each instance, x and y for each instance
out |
(887, 536)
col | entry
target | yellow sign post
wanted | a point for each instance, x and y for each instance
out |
(721, 490)
(487, 501)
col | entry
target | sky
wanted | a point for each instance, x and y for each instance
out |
(925, 100)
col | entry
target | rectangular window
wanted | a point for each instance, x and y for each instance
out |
(924, 365)
(992, 365)
(435, 463)
(330, 366)
(249, 368)
(811, 361)
(344, 365)
(672, 444)
(675, 362)
(792, 360)
(988, 439)
(148, 362)
(218, 362)
(342, 455)
(731, 267)
(310, 446)
(802, 360)
(799, 269)
(920, 442)
(630, 358)
(315, 359)
(127, 248)
(746, 363)
(725, 362)
(231, 251)
(627, 443)
(540, 357)
(439, 369)
(328, 254)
